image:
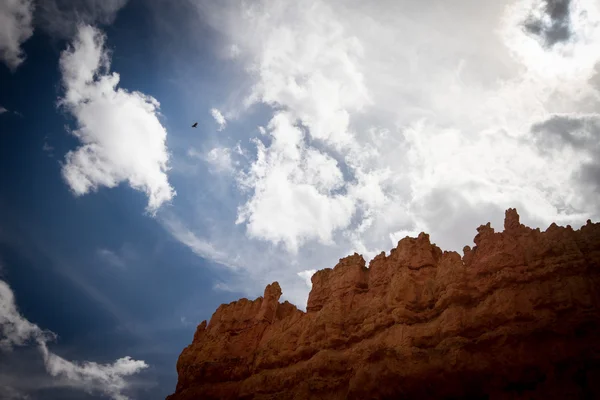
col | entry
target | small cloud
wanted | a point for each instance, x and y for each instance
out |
(198, 245)
(47, 148)
(234, 51)
(395, 237)
(17, 28)
(220, 159)
(240, 151)
(307, 275)
(193, 153)
(111, 258)
(222, 287)
(4, 110)
(219, 118)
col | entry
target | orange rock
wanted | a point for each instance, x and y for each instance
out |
(517, 317)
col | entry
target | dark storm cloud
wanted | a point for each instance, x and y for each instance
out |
(595, 79)
(590, 173)
(59, 18)
(560, 130)
(579, 133)
(558, 30)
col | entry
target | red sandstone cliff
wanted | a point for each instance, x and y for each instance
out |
(517, 317)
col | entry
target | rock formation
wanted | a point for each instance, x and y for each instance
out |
(517, 317)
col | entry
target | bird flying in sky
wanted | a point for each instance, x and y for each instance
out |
(195, 125)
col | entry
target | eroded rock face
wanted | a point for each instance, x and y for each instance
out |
(517, 317)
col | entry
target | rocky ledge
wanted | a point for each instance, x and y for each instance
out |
(517, 317)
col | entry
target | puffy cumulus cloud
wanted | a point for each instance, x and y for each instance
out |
(293, 186)
(60, 18)
(15, 28)
(91, 377)
(121, 135)
(387, 120)
(219, 118)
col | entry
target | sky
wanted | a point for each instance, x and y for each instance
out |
(324, 128)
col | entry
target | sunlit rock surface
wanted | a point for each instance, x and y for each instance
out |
(516, 317)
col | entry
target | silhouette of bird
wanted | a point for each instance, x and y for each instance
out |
(195, 125)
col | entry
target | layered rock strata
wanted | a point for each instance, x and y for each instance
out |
(516, 317)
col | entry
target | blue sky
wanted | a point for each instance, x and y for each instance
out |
(324, 128)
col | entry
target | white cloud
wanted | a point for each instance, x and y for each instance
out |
(193, 153)
(91, 377)
(220, 159)
(16, 331)
(392, 118)
(111, 258)
(307, 275)
(395, 237)
(234, 51)
(219, 118)
(47, 148)
(223, 287)
(121, 135)
(293, 185)
(15, 29)
(201, 247)
(475, 144)
(3, 110)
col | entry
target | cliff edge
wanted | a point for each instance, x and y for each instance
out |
(516, 317)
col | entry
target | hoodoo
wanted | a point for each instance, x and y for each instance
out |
(516, 317)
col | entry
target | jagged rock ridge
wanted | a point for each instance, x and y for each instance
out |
(517, 317)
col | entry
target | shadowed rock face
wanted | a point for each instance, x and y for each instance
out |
(517, 317)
